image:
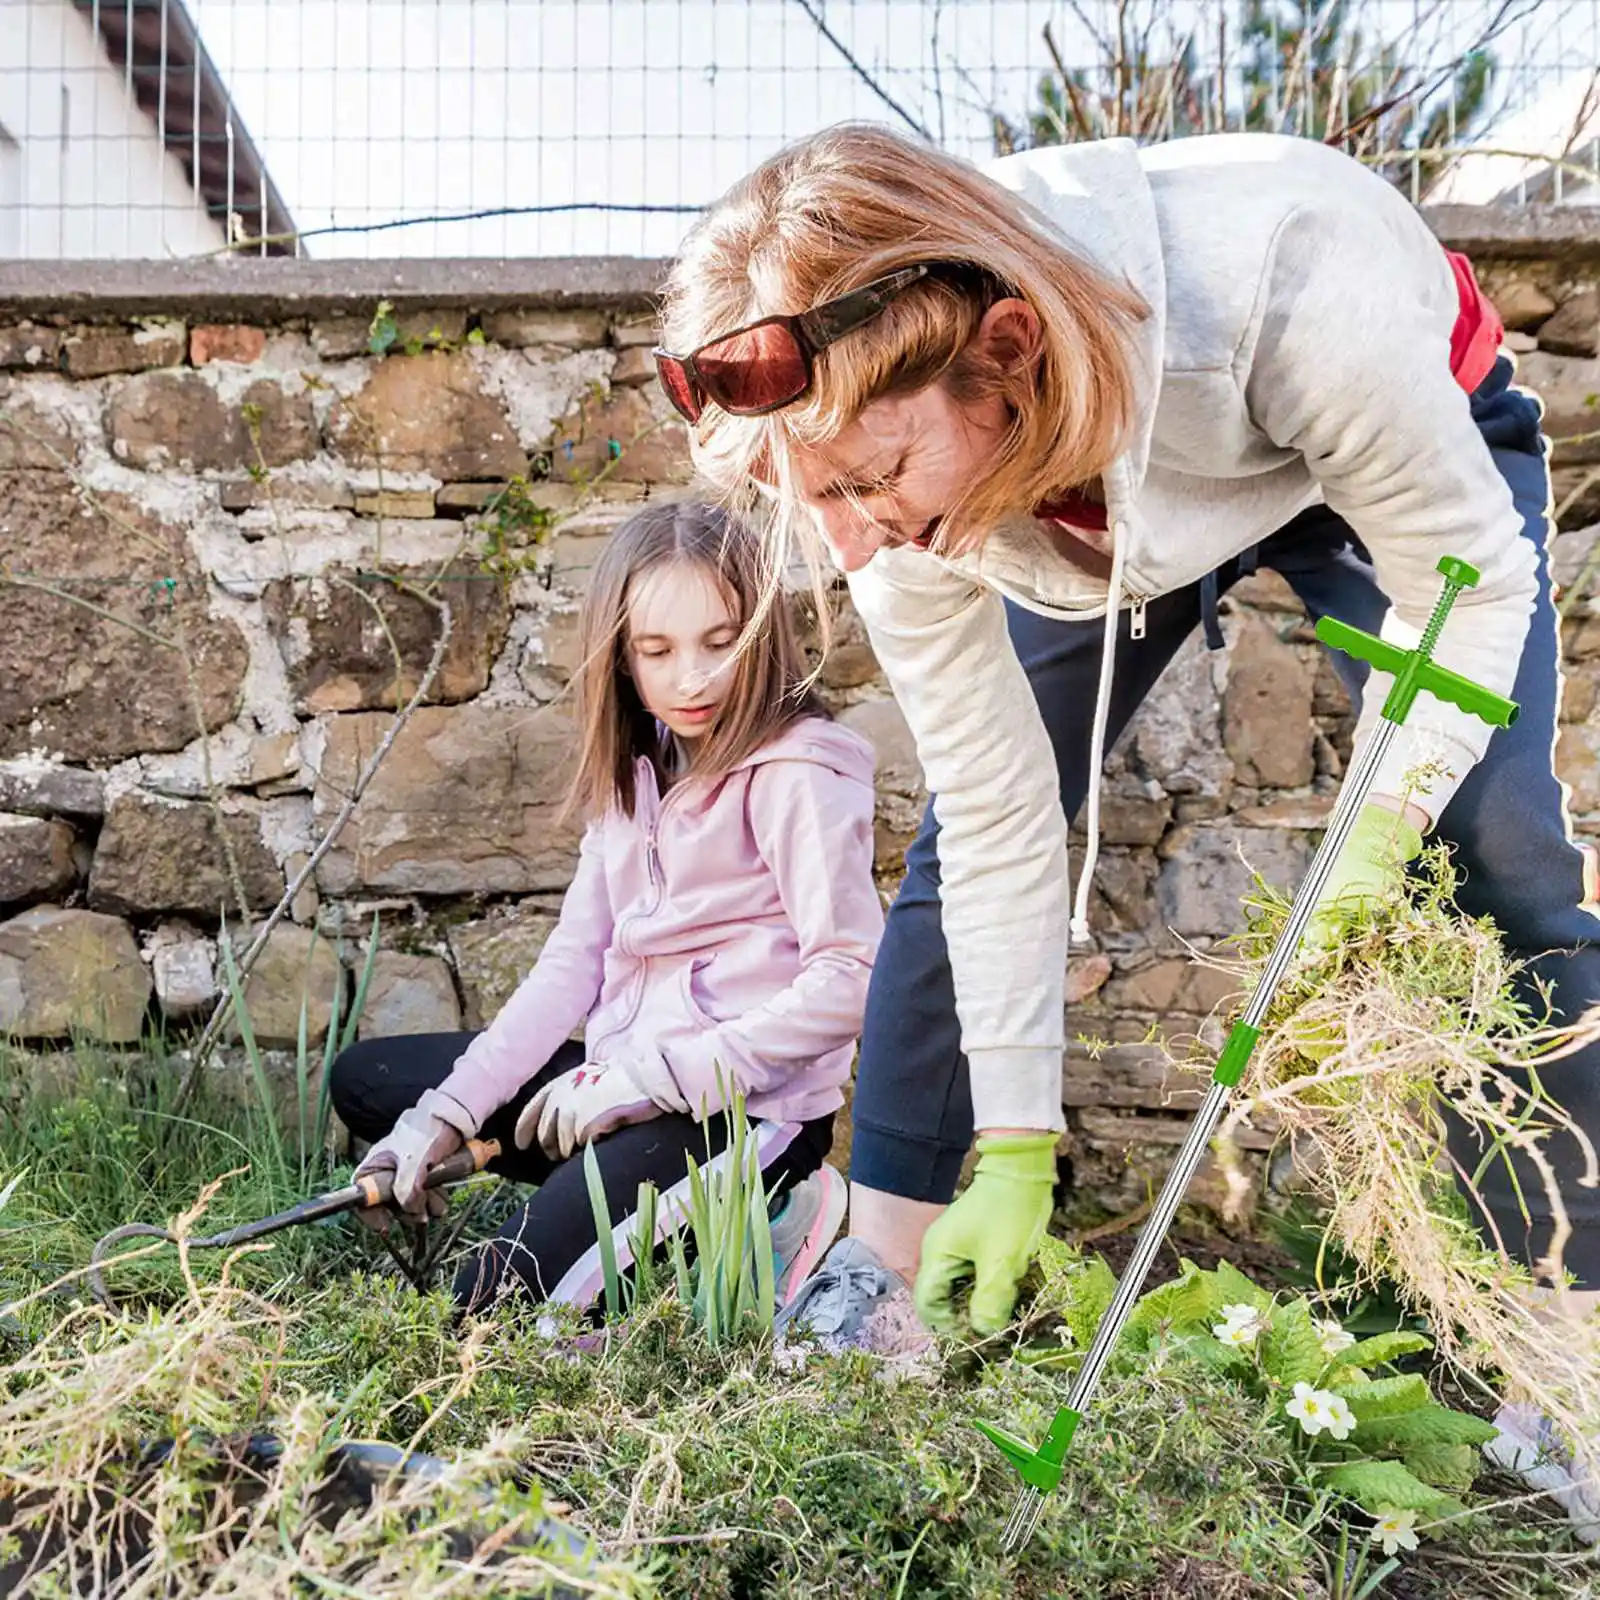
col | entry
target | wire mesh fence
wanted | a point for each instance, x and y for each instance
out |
(160, 128)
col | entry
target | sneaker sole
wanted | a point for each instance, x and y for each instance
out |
(819, 1237)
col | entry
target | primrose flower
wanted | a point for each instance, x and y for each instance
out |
(1240, 1326)
(1332, 1337)
(1318, 1411)
(1395, 1530)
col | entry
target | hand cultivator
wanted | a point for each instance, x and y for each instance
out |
(370, 1189)
(1413, 672)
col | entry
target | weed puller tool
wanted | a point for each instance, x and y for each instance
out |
(370, 1189)
(1413, 672)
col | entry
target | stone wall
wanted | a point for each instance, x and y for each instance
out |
(232, 498)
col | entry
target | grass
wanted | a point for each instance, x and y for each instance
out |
(719, 1470)
(692, 1456)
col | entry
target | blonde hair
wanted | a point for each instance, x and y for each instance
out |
(845, 206)
(768, 685)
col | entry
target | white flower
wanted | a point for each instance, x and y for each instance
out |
(1333, 1338)
(1394, 1530)
(1240, 1325)
(1318, 1411)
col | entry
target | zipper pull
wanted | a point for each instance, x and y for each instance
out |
(654, 860)
(1136, 618)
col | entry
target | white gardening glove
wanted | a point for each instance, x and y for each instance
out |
(435, 1127)
(580, 1106)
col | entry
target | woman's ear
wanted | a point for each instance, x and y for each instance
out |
(1010, 334)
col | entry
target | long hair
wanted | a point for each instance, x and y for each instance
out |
(834, 211)
(768, 685)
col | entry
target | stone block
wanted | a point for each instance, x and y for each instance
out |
(36, 859)
(620, 427)
(1578, 766)
(65, 973)
(462, 499)
(427, 413)
(494, 954)
(338, 338)
(571, 330)
(1176, 735)
(339, 639)
(185, 972)
(1209, 871)
(31, 439)
(1086, 976)
(296, 968)
(1575, 329)
(79, 683)
(26, 345)
(631, 332)
(1128, 1076)
(409, 994)
(42, 789)
(226, 342)
(1168, 984)
(157, 855)
(1567, 385)
(1122, 898)
(1130, 813)
(635, 366)
(465, 802)
(1522, 305)
(404, 504)
(1266, 722)
(167, 419)
(97, 352)
(258, 494)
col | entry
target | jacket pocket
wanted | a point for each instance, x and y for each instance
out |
(695, 991)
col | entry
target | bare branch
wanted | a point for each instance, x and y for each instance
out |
(860, 71)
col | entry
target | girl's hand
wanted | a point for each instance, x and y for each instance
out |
(579, 1107)
(420, 1140)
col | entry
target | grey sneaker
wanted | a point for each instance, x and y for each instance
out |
(804, 1226)
(835, 1303)
(1529, 1446)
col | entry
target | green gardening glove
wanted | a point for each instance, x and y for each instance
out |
(991, 1233)
(1371, 864)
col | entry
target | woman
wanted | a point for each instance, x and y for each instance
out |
(1043, 414)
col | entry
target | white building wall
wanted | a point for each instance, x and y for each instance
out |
(82, 171)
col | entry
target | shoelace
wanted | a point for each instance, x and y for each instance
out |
(826, 1306)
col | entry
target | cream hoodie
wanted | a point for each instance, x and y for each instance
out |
(1298, 351)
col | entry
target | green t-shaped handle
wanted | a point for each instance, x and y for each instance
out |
(1413, 670)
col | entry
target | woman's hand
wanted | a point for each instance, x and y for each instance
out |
(581, 1106)
(991, 1232)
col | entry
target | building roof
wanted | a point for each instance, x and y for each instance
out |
(177, 85)
(1518, 155)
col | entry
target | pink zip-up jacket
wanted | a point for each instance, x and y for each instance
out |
(731, 923)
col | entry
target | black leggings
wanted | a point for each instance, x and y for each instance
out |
(548, 1249)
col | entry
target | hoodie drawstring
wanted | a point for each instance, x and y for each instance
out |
(1079, 928)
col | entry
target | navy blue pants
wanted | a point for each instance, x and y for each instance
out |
(912, 1113)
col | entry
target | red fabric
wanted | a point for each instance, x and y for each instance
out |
(1475, 340)
(1075, 509)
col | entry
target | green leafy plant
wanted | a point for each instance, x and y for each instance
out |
(516, 530)
(726, 1280)
(1375, 1437)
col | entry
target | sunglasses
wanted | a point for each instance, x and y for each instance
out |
(767, 365)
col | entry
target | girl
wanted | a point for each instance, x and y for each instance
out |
(1043, 414)
(720, 930)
